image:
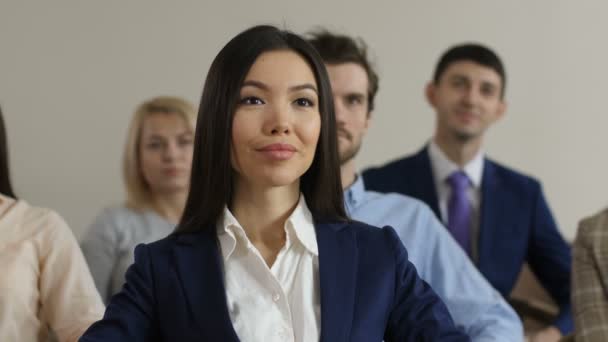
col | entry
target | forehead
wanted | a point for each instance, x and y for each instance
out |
(281, 68)
(347, 78)
(165, 123)
(472, 71)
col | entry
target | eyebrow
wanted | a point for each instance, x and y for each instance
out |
(160, 136)
(354, 94)
(261, 85)
(459, 77)
(465, 77)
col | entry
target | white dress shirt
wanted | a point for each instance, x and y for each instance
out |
(442, 168)
(281, 303)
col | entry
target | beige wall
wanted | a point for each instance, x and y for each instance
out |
(71, 73)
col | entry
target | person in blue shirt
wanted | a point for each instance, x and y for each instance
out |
(473, 303)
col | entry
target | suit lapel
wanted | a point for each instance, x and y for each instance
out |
(338, 260)
(200, 273)
(422, 180)
(489, 221)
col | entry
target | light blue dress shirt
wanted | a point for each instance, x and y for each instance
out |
(474, 305)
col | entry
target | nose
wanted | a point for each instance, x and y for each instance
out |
(278, 121)
(471, 96)
(171, 151)
(339, 109)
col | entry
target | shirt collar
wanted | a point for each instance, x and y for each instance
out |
(303, 224)
(354, 194)
(229, 231)
(443, 167)
(299, 224)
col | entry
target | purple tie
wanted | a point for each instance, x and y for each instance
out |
(459, 209)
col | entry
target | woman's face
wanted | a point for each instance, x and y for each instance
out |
(165, 152)
(277, 122)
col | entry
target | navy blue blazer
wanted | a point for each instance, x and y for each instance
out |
(516, 225)
(369, 291)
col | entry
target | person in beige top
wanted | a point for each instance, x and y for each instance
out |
(590, 279)
(45, 286)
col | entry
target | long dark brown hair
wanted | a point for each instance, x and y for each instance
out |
(5, 180)
(212, 183)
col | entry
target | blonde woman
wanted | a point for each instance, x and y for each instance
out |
(45, 287)
(156, 171)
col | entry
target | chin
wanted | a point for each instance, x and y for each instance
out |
(174, 187)
(279, 179)
(282, 181)
(465, 135)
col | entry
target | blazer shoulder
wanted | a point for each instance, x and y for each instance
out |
(162, 246)
(397, 175)
(369, 236)
(594, 226)
(512, 178)
(392, 166)
(359, 227)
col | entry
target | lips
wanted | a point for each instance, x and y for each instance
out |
(172, 171)
(466, 115)
(344, 134)
(278, 151)
(278, 147)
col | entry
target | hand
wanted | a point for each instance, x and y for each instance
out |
(549, 334)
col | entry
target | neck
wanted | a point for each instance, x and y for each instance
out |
(262, 212)
(348, 173)
(459, 151)
(170, 206)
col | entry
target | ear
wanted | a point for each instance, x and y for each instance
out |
(500, 110)
(429, 92)
(368, 120)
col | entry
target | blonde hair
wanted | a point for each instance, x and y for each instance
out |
(138, 191)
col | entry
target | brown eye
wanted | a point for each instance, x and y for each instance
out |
(153, 145)
(488, 90)
(304, 102)
(458, 83)
(354, 100)
(251, 100)
(185, 141)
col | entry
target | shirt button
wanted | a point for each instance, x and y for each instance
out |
(276, 297)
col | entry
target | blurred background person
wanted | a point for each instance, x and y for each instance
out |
(46, 288)
(498, 215)
(156, 171)
(475, 306)
(590, 279)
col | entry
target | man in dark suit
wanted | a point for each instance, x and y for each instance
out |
(499, 216)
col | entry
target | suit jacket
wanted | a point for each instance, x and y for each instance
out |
(515, 226)
(590, 279)
(369, 291)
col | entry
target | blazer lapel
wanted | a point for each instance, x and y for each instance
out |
(199, 267)
(490, 215)
(338, 260)
(423, 182)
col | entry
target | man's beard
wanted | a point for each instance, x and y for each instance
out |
(464, 136)
(352, 151)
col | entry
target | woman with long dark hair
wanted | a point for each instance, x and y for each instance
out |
(45, 287)
(264, 250)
